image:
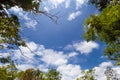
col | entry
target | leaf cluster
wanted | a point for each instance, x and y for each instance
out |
(106, 28)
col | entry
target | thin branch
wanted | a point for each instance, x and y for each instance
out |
(23, 54)
(53, 17)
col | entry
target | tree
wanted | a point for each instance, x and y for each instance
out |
(88, 75)
(9, 23)
(53, 75)
(106, 28)
(32, 74)
(8, 71)
(111, 74)
(101, 4)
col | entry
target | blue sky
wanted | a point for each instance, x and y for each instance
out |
(60, 45)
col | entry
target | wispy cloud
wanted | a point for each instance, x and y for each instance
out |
(80, 3)
(52, 4)
(67, 3)
(56, 3)
(73, 15)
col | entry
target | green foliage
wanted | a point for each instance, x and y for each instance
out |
(101, 4)
(31, 74)
(53, 75)
(9, 31)
(106, 27)
(110, 74)
(9, 23)
(8, 71)
(88, 75)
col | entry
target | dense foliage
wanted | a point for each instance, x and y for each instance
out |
(9, 72)
(106, 27)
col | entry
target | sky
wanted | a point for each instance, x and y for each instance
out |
(60, 45)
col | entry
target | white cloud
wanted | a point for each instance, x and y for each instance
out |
(52, 4)
(53, 57)
(67, 3)
(48, 57)
(69, 72)
(25, 66)
(59, 59)
(85, 47)
(99, 71)
(19, 11)
(46, 9)
(79, 3)
(73, 15)
(69, 47)
(30, 23)
(72, 54)
(56, 2)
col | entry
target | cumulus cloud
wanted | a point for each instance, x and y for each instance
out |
(99, 70)
(69, 72)
(73, 15)
(54, 58)
(46, 57)
(83, 47)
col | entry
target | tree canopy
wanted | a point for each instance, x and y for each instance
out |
(9, 23)
(9, 71)
(101, 4)
(106, 27)
(88, 75)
